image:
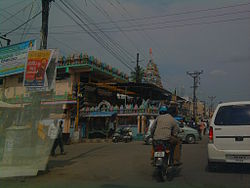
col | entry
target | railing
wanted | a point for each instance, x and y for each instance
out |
(28, 99)
(93, 63)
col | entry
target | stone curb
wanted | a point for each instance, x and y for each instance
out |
(97, 141)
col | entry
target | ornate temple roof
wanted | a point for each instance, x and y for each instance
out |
(152, 74)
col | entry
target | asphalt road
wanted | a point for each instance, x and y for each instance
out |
(128, 165)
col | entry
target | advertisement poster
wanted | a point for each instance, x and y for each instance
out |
(40, 69)
(14, 57)
(36, 67)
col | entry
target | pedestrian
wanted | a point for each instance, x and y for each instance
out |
(202, 127)
(206, 128)
(58, 140)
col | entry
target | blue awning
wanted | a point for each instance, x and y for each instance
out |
(101, 114)
(178, 118)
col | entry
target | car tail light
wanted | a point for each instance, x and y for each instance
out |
(211, 135)
(159, 148)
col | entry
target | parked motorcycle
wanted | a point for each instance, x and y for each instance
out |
(162, 160)
(122, 135)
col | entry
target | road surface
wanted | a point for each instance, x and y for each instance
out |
(128, 165)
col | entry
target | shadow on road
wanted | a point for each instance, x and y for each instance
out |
(66, 162)
(230, 168)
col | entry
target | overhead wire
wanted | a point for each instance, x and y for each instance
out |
(130, 28)
(144, 34)
(13, 5)
(182, 13)
(33, 17)
(65, 44)
(165, 22)
(105, 13)
(112, 45)
(108, 39)
(86, 28)
(163, 27)
(13, 15)
(31, 9)
(30, 25)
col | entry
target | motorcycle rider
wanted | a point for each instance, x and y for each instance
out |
(165, 128)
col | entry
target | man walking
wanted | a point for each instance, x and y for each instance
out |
(58, 140)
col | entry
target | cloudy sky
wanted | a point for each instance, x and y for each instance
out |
(185, 35)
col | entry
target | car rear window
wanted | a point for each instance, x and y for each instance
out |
(233, 115)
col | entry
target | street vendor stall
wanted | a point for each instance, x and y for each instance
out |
(100, 124)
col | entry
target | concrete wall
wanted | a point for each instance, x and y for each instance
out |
(14, 88)
(63, 86)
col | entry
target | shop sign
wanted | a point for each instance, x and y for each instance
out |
(14, 57)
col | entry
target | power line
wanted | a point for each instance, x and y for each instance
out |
(97, 38)
(23, 23)
(114, 45)
(110, 43)
(12, 5)
(104, 12)
(27, 19)
(146, 36)
(183, 25)
(183, 13)
(163, 27)
(184, 19)
(173, 14)
(124, 32)
(65, 44)
(13, 15)
(121, 28)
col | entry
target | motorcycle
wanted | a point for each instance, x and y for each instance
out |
(162, 160)
(122, 135)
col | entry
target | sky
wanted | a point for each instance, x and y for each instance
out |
(193, 35)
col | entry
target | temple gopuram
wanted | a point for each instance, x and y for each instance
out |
(151, 74)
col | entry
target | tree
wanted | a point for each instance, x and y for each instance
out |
(137, 71)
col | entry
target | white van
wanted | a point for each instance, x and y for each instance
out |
(229, 134)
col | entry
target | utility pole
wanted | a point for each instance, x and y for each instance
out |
(196, 76)
(45, 23)
(204, 109)
(211, 98)
(137, 69)
(77, 106)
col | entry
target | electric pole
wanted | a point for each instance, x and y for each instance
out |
(137, 69)
(211, 104)
(196, 76)
(45, 23)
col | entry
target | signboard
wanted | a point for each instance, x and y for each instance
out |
(40, 69)
(14, 57)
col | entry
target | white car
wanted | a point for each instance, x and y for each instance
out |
(229, 134)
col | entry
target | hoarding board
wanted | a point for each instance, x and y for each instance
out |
(14, 57)
(40, 69)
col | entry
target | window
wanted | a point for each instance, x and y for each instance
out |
(233, 115)
(1, 82)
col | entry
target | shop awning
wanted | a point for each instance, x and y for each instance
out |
(100, 114)
(59, 102)
(7, 105)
